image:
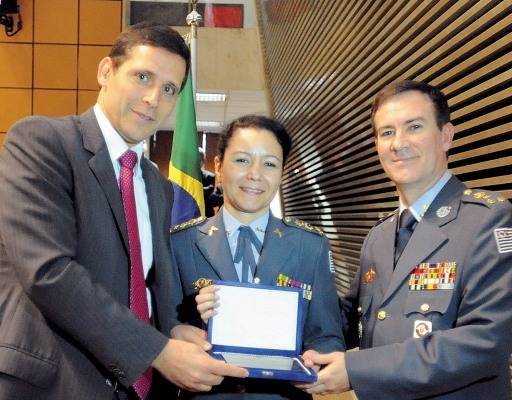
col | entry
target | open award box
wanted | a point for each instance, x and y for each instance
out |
(259, 328)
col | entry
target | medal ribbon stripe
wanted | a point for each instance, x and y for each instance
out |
(286, 281)
(433, 276)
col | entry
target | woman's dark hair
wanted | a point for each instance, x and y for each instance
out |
(437, 97)
(257, 122)
(150, 34)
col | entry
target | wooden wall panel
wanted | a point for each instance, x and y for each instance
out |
(325, 61)
(56, 21)
(50, 66)
(16, 104)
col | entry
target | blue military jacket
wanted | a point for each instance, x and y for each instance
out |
(424, 340)
(290, 247)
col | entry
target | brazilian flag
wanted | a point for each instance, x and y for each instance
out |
(184, 168)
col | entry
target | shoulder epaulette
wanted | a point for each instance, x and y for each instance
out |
(188, 224)
(483, 197)
(303, 225)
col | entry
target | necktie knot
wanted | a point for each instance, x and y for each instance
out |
(246, 237)
(407, 220)
(406, 225)
(128, 159)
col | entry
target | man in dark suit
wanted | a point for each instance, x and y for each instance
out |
(431, 306)
(70, 263)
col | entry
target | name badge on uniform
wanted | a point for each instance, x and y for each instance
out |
(421, 328)
(433, 276)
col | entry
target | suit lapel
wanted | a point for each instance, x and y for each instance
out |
(385, 253)
(278, 244)
(213, 244)
(428, 235)
(101, 166)
(158, 203)
(156, 200)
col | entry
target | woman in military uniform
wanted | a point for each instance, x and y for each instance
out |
(287, 252)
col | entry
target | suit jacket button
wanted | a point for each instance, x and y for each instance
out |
(381, 315)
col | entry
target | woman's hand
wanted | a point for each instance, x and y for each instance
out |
(207, 301)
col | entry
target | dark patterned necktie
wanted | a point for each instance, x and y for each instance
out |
(407, 224)
(138, 297)
(246, 238)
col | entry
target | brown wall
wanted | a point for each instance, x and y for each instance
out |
(49, 67)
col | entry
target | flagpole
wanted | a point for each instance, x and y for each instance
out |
(193, 19)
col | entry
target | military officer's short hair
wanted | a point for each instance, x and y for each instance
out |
(257, 122)
(437, 97)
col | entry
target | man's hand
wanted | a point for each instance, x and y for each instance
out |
(207, 300)
(333, 378)
(191, 334)
(191, 368)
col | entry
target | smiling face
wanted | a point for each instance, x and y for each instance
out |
(140, 94)
(250, 173)
(411, 147)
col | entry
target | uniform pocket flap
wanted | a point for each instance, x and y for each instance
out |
(428, 301)
(26, 366)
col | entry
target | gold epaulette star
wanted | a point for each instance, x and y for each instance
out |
(483, 196)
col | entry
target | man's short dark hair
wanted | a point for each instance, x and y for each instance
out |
(256, 122)
(150, 34)
(442, 111)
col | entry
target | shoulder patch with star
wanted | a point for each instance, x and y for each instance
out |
(302, 225)
(188, 224)
(484, 197)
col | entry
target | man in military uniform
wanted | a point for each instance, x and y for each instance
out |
(431, 306)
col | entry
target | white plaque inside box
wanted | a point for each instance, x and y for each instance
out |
(259, 328)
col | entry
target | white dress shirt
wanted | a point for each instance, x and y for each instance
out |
(116, 148)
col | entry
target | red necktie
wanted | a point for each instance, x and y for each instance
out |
(138, 297)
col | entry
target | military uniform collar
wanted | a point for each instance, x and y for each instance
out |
(422, 204)
(259, 225)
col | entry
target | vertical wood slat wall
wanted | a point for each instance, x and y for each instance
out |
(324, 62)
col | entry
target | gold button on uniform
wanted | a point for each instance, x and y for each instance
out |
(381, 315)
(359, 309)
(425, 307)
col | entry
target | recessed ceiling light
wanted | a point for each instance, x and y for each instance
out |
(209, 124)
(210, 97)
